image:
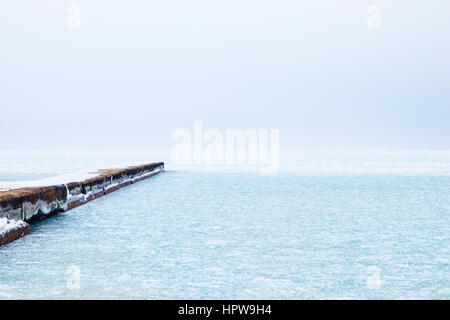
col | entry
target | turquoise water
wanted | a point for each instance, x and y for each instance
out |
(324, 227)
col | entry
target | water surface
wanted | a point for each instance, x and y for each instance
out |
(323, 227)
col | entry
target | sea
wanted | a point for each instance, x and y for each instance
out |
(336, 224)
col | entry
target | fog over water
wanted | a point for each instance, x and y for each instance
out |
(358, 206)
(137, 70)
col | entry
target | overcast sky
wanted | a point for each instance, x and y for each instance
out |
(137, 70)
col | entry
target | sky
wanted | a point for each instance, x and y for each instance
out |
(135, 71)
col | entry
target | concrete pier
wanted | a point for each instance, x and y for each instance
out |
(21, 206)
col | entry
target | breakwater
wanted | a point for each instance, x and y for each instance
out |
(24, 205)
